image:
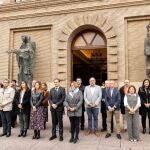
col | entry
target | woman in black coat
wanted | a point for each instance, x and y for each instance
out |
(144, 93)
(22, 101)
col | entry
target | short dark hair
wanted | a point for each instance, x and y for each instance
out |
(14, 81)
(132, 86)
(1, 85)
(57, 79)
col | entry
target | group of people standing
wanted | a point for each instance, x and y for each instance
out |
(32, 104)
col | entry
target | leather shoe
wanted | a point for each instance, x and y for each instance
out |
(20, 134)
(107, 135)
(88, 132)
(118, 136)
(3, 134)
(75, 140)
(71, 140)
(82, 128)
(52, 137)
(61, 138)
(8, 134)
(97, 133)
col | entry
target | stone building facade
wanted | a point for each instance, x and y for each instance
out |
(56, 27)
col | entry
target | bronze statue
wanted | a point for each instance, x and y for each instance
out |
(25, 56)
(147, 51)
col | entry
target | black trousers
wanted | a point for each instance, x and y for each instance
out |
(82, 117)
(0, 121)
(74, 122)
(6, 121)
(104, 124)
(13, 118)
(57, 118)
(143, 119)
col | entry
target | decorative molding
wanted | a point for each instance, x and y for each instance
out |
(95, 20)
(48, 3)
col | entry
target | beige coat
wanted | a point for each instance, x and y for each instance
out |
(6, 98)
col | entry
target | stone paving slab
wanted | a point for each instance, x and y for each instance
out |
(90, 142)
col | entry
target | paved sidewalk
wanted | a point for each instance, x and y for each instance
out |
(90, 142)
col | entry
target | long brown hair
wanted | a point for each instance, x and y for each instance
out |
(25, 84)
(45, 86)
(40, 87)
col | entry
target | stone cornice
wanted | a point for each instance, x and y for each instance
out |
(39, 4)
(19, 7)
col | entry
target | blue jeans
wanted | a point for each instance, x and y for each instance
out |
(93, 114)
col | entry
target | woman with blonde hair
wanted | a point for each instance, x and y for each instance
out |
(73, 103)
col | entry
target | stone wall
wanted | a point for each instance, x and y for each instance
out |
(124, 22)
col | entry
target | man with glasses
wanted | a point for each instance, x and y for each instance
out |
(92, 97)
(6, 98)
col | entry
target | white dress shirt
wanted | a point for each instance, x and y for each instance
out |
(92, 88)
(21, 97)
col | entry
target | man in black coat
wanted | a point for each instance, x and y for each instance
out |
(103, 107)
(56, 99)
(81, 88)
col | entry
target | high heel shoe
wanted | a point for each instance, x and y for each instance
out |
(35, 134)
(24, 133)
(38, 134)
(144, 130)
(20, 134)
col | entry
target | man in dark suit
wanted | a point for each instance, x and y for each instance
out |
(103, 107)
(112, 101)
(81, 88)
(56, 99)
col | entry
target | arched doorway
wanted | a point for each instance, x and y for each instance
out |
(89, 56)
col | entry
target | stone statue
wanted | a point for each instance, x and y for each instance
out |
(147, 51)
(25, 57)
